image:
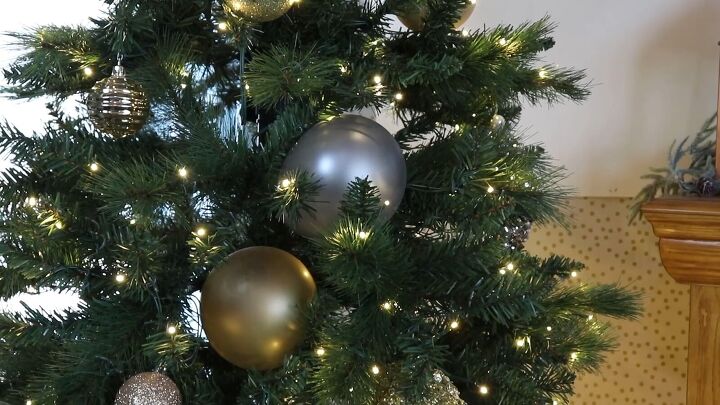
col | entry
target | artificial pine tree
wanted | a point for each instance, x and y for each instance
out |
(435, 303)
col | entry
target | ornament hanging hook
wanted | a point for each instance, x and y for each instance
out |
(119, 70)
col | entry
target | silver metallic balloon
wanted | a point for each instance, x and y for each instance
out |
(149, 389)
(336, 153)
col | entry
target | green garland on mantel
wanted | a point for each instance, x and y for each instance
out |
(690, 170)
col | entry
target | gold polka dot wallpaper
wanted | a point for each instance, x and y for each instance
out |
(650, 363)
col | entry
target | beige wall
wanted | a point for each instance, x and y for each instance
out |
(649, 366)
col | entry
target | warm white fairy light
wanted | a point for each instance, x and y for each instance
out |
(399, 96)
(133, 221)
(29, 402)
(387, 305)
(375, 370)
(222, 26)
(94, 167)
(466, 33)
(183, 172)
(574, 274)
(32, 201)
(573, 356)
(120, 278)
(285, 183)
(491, 189)
(503, 272)
(320, 351)
(511, 266)
(484, 390)
(88, 71)
(172, 329)
(454, 325)
(59, 225)
(387, 203)
(520, 342)
(503, 41)
(549, 328)
(363, 235)
(543, 74)
(590, 317)
(377, 79)
(201, 231)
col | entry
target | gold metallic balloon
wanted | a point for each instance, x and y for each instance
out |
(252, 304)
(261, 10)
(117, 105)
(149, 389)
(414, 16)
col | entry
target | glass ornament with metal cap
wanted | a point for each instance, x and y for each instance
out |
(117, 105)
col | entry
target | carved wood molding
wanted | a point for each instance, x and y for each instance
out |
(689, 232)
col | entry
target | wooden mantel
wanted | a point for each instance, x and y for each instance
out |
(689, 232)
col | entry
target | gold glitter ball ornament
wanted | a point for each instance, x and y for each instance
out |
(261, 10)
(413, 16)
(117, 105)
(149, 389)
(440, 391)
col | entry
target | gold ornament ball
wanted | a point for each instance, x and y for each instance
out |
(261, 10)
(497, 122)
(149, 389)
(414, 16)
(117, 105)
(252, 306)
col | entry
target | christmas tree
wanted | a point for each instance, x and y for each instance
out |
(369, 267)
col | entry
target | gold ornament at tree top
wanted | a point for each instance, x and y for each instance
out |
(261, 10)
(252, 306)
(117, 105)
(413, 16)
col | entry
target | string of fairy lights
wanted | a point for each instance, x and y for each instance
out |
(388, 306)
(395, 99)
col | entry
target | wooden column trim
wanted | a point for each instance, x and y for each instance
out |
(689, 232)
(704, 346)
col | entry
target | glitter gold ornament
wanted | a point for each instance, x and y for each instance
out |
(252, 304)
(413, 16)
(117, 105)
(149, 389)
(439, 391)
(261, 10)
